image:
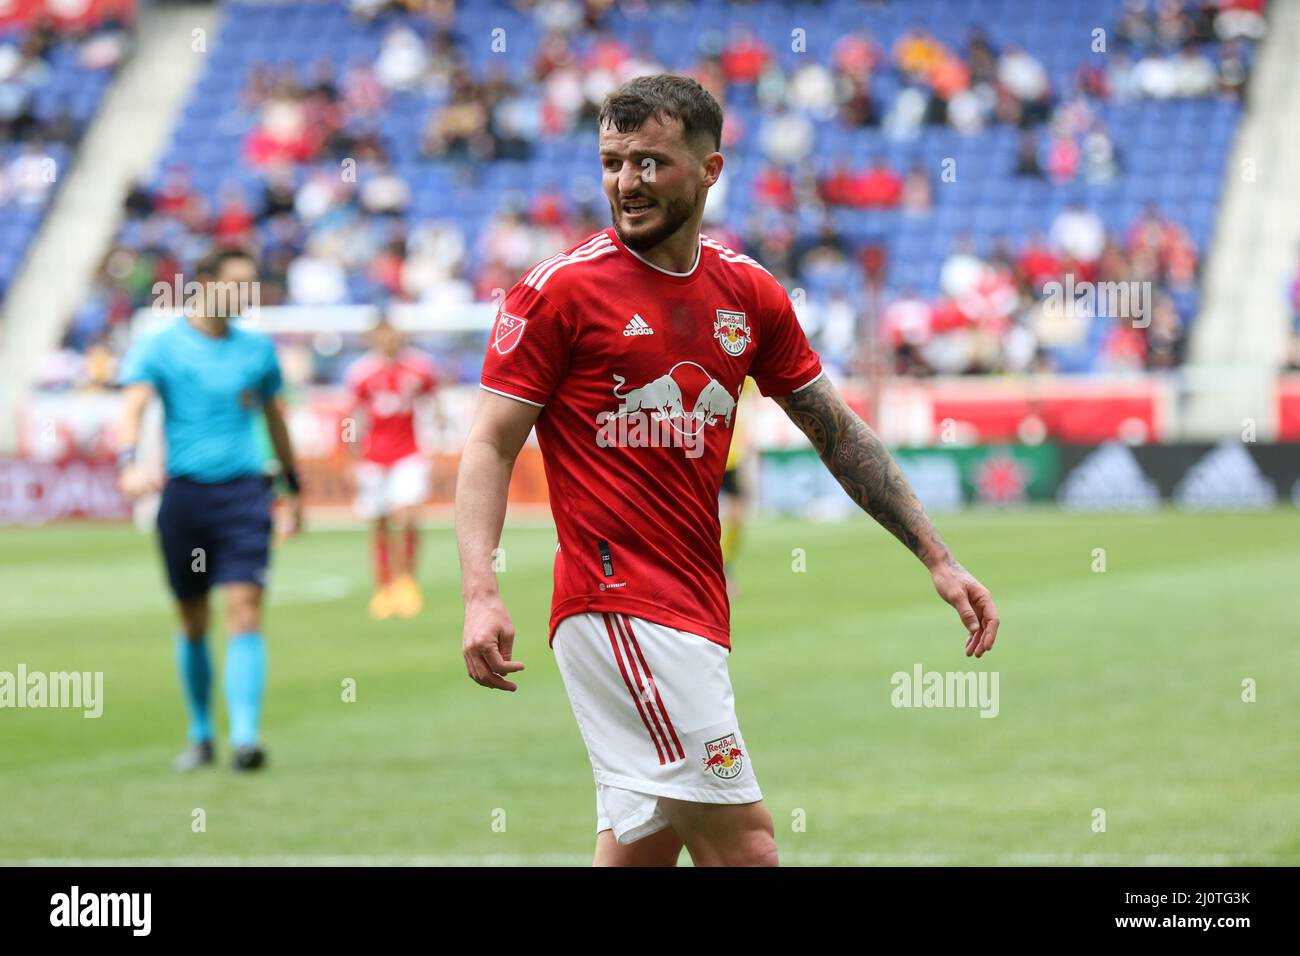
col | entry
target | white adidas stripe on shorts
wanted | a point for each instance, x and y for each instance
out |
(655, 709)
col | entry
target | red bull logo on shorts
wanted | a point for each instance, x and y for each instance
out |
(670, 411)
(724, 757)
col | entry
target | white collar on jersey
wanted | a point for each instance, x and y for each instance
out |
(699, 246)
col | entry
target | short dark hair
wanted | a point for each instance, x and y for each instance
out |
(211, 263)
(665, 95)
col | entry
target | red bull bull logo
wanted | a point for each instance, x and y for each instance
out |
(731, 331)
(724, 757)
(670, 411)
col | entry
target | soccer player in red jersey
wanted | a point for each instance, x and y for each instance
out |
(628, 353)
(392, 475)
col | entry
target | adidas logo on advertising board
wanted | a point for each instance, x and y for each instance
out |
(1110, 478)
(1227, 478)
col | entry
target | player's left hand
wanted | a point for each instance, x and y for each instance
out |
(973, 602)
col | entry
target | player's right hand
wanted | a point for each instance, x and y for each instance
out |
(487, 643)
(135, 480)
(291, 524)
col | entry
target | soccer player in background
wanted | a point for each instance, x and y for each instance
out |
(633, 427)
(214, 519)
(733, 500)
(392, 475)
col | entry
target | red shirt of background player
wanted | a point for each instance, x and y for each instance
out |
(387, 390)
(637, 371)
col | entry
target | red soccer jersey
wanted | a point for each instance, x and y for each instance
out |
(387, 390)
(638, 371)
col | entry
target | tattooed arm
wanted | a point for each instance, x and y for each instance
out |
(866, 470)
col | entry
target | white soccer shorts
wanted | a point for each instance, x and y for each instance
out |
(382, 489)
(655, 708)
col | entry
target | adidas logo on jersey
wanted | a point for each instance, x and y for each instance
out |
(638, 326)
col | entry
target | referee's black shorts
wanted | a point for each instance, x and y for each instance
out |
(215, 533)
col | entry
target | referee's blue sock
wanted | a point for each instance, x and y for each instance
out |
(245, 680)
(195, 668)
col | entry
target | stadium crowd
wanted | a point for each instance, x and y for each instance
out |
(325, 237)
(50, 83)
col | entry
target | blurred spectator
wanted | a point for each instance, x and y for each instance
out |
(812, 90)
(969, 110)
(1135, 26)
(856, 56)
(30, 176)
(1063, 157)
(175, 196)
(282, 134)
(1194, 73)
(234, 222)
(982, 59)
(1024, 77)
(1165, 340)
(460, 129)
(1122, 78)
(787, 138)
(917, 194)
(962, 270)
(402, 60)
(825, 252)
(1100, 157)
(1233, 72)
(362, 92)
(1161, 250)
(316, 279)
(916, 51)
(1027, 156)
(774, 187)
(907, 115)
(1156, 76)
(1241, 18)
(384, 192)
(858, 108)
(879, 187)
(745, 57)
(1078, 234)
(905, 326)
(1037, 263)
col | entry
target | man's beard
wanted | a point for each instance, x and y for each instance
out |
(676, 212)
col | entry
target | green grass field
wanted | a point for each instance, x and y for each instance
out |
(1119, 690)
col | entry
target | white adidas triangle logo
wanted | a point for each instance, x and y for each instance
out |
(1109, 478)
(1227, 478)
(638, 326)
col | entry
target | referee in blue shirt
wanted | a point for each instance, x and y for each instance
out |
(214, 520)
